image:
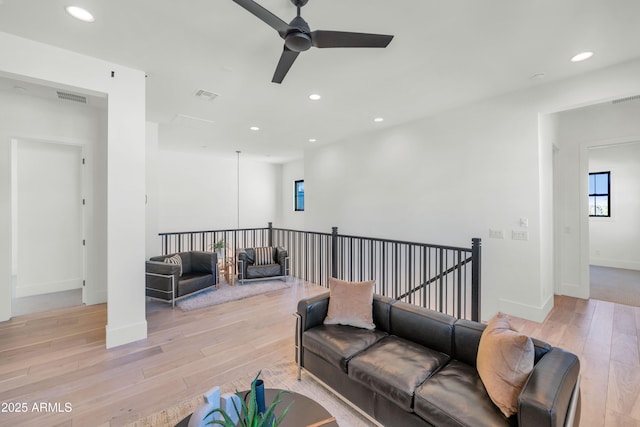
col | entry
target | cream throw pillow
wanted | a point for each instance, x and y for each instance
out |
(175, 259)
(263, 256)
(350, 303)
(505, 360)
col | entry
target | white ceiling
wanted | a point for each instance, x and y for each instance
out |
(444, 54)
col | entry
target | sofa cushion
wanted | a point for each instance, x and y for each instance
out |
(426, 327)
(394, 367)
(203, 262)
(455, 396)
(260, 271)
(505, 360)
(337, 344)
(193, 282)
(350, 303)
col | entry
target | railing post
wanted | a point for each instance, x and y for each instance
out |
(476, 255)
(334, 252)
(270, 234)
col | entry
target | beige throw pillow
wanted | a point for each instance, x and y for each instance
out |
(175, 259)
(505, 360)
(350, 303)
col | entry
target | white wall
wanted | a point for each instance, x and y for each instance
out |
(453, 176)
(436, 181)
(288, 217)
(614, 241)
(151, 196)
(119, 173)
(190, 191)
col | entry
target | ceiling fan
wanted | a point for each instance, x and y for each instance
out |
(298, 37)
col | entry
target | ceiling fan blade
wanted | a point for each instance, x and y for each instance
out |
(345, 39)
(286, 61)
(264, 15)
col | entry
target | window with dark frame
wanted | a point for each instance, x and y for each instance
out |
(599, 194)
(298, 195)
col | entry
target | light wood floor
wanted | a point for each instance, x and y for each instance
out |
(60, 357)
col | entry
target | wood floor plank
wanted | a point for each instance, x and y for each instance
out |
(60, 356)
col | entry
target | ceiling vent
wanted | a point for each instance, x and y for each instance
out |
(627, 99)
(205, 95)
(72, 97)
(193, 122)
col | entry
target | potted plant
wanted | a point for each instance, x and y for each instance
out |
(219, 248)
(253, 414)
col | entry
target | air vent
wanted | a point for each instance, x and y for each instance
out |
(193, 122)
(206, 95)
(627, 99)
(72, 97)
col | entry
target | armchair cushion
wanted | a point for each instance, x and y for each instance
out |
(203, 262)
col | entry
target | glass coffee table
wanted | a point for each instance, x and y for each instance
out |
(304, 412)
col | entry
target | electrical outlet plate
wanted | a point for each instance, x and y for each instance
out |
(519, 235)
(496, 234)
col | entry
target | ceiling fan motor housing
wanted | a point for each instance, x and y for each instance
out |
(298, 39)
(298, 42)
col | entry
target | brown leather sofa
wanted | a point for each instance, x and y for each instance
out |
(164, 281)
(418, 368)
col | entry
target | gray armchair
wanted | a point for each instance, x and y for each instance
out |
(196, 271)
(252, 267)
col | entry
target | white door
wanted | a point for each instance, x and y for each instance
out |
(48, 226)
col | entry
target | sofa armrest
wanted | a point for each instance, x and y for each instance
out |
(159, 267)
(313, 310)
(281, 258)
(551, 394)
(243, 263)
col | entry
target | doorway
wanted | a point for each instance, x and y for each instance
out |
(614, 223)
(48, 256)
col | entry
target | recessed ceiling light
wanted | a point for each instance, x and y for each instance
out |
(254, 128)
(80, 13)
(537, 76)
(314, 97)
(378, 120)
(583, 56)
(312, 140)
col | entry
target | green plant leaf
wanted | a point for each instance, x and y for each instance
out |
(228, 422)
(248, 412)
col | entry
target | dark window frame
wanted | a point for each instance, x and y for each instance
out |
(595, 194)
(296, 196)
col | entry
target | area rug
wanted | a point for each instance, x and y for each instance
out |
(226, 293)
(282, 376)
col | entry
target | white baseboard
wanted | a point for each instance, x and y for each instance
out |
(47, 287)
(615, 263)
(574, 290)
(126, 334)
(98, 297)
(526, 311)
